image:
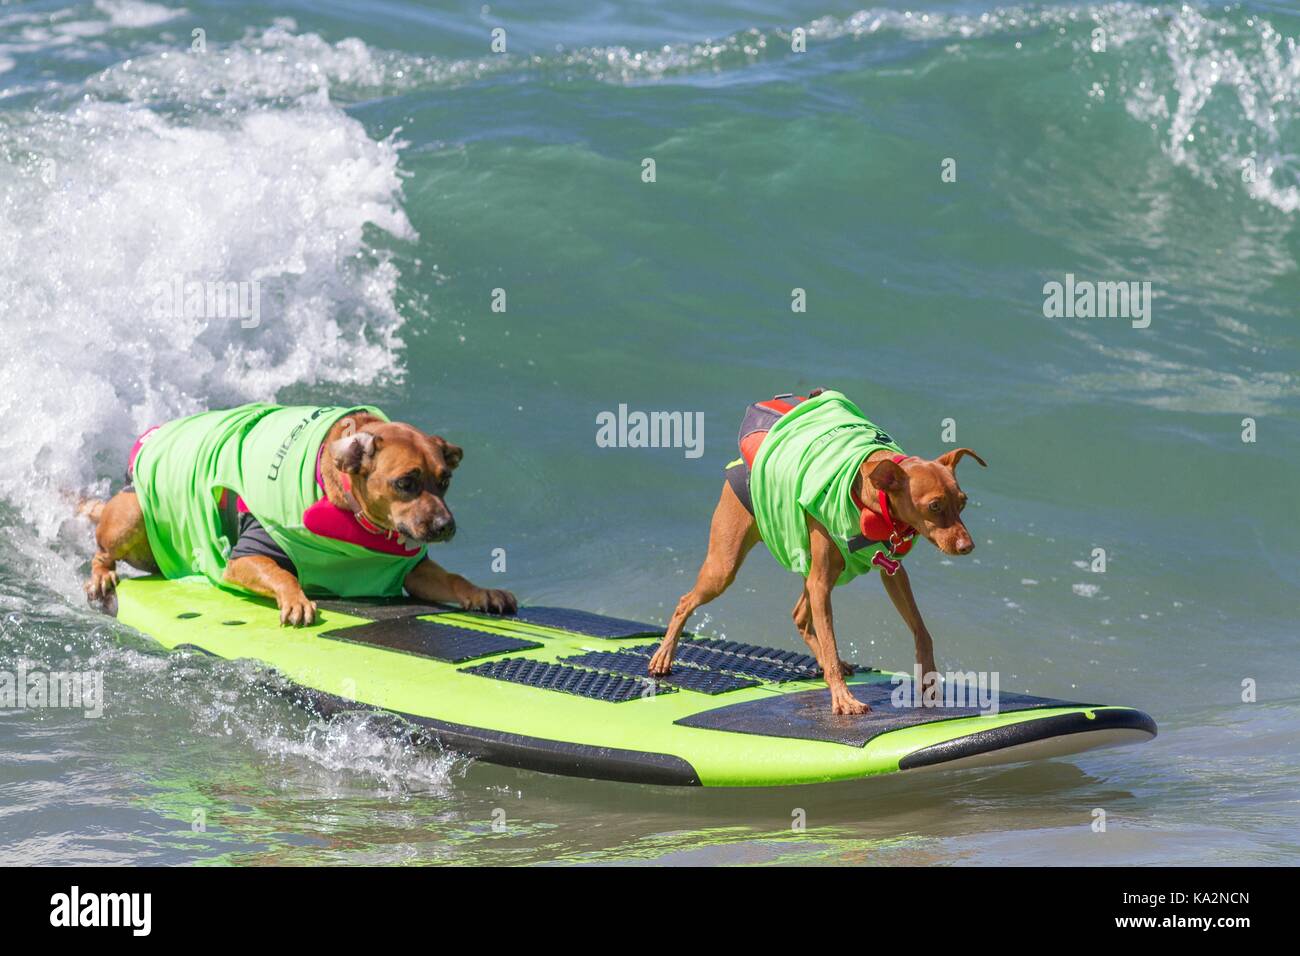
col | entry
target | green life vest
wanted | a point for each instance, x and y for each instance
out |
(266, 455)
(808, 463)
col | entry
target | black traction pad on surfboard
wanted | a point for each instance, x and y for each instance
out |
(561, 618)
(683, 676)
(441, 642)
(694, 652)
(790, 660)
(586, 623)
(379, 609)
(568, 680)
(807, 715)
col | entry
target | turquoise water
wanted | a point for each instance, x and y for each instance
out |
(380, 172)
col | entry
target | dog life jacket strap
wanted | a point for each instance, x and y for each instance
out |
(881, 528)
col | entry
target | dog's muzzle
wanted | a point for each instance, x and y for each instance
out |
(436, 532)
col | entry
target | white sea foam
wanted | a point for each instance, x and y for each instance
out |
(1224, 92)
(102, 202)
(279, 63)
(349, 753)
(137, 14)
(340, 754)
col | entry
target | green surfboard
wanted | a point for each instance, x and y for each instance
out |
(564, 691)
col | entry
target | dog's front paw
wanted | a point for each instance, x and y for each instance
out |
(296, 610)
(101, 585)
(842, 702)
(661, 665)
(491, 601)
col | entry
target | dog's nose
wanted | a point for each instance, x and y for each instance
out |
(442, 529)
(965, 545)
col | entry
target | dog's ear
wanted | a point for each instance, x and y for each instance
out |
(451, 454)
(353, 452)
(887, 475)
(949, 459)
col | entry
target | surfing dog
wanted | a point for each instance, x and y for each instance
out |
(832, 496)
(327, 500)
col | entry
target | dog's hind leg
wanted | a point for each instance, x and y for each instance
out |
(92, 509)
(732, 534)
(802, 615)
(120, 536)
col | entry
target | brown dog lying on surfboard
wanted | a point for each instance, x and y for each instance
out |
(288, 502)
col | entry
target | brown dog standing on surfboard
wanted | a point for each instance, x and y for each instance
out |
(832, 496)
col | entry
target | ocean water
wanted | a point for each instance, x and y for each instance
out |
(380, 171)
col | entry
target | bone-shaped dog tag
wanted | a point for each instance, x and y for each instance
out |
(887, 565)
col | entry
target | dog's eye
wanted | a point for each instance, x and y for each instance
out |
(406, 484)
(936, 506)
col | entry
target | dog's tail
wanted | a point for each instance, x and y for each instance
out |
(91, 508)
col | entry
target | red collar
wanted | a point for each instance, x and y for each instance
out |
(882, 527)
(346, 484)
